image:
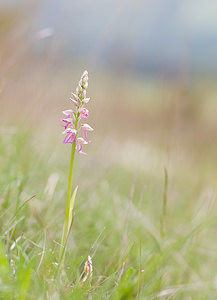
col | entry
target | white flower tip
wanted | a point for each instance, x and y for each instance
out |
(84, 93)
(79, 88)
(86, 100)
(75, 97)
(74, 101)
(87, 127)
(67, 112)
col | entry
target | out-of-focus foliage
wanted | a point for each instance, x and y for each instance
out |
(145, 121)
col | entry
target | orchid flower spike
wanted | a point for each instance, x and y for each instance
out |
(72, 119)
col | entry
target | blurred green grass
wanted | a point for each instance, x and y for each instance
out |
(117, 215)
(141, 127)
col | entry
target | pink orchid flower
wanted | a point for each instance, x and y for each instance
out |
(67, 121)
(69, 118)
(86, 128)
(80, 142)
(70, 136)
(84, 113)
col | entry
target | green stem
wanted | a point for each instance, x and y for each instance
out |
(67, 223)
(69, 191)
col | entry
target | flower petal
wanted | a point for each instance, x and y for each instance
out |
(68, 120)
(87, 127)
(70, 130)
(86, 100)
(85, 136)
(81, 141)
(84, 112)
(68, 112)
(75, 97)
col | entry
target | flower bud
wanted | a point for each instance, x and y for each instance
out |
(79, 89)
(84, 77)
(85, 85)
(85, 100)
(84, 94)
(75, 97)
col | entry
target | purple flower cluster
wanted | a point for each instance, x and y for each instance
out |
(72, 119)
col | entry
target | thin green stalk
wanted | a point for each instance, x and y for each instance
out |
(69, 191)
(68, 217)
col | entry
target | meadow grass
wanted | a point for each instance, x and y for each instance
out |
(140, 248)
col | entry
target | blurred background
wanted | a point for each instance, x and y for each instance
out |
(152, 68)
(153, 86)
